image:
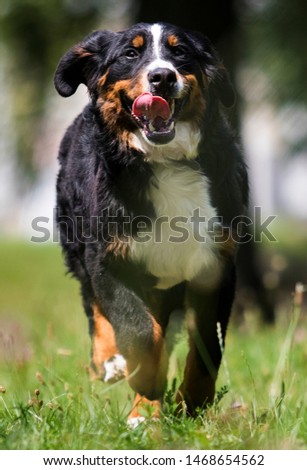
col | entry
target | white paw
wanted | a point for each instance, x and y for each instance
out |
(135, 422)
(114, 369)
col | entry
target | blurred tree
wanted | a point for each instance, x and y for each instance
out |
(277, 43)
(35, 33)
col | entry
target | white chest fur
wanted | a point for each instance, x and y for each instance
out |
(179, 246)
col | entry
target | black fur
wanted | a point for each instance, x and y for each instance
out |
(101, 181)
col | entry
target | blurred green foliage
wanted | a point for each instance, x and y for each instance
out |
(277, 37)
(35, 34)
(37, 31)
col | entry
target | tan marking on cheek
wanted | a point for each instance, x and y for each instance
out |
(172, 40)
(131, 87)
(110, 104)
(111, 109)
(103, 341)
(196, 105)
(138, 41)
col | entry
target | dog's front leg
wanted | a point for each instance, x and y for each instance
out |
(107, 363)
(128, 327)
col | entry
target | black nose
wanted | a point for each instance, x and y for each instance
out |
(162, 78)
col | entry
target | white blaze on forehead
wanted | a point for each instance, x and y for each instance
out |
(156, 31)
(158, 62)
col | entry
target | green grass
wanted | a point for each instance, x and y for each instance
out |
(49, 401)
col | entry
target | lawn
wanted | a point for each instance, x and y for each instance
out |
(47, 400)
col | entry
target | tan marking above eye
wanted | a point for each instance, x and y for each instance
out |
(138, 41)
(173, 40)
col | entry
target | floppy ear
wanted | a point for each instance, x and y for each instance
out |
(82, 63)
(214, 69)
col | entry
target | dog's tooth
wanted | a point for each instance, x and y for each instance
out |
(151, 127)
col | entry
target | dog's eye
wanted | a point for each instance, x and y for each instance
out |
(131, 54)
(179, 51)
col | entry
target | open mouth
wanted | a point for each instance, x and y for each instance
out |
(155, 116)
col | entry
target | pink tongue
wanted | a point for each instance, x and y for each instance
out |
(151, 106)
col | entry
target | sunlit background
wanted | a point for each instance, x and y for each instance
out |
(264, 46)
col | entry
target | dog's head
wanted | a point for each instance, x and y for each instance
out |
(147, 79)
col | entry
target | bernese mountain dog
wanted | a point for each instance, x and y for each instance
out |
(150, 194)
